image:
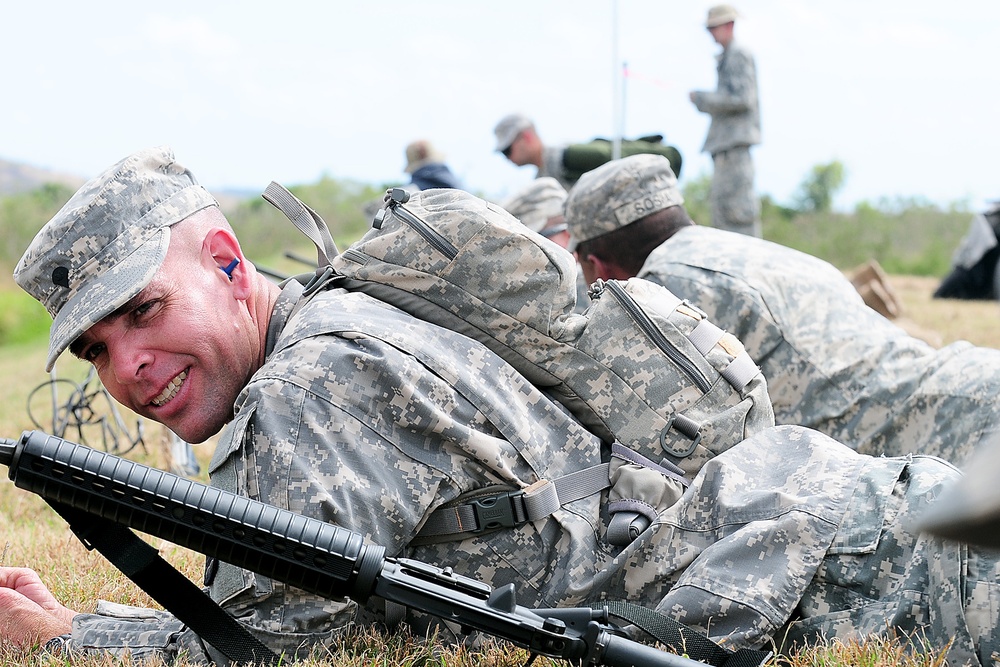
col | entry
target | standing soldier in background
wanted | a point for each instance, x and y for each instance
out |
(734, 129)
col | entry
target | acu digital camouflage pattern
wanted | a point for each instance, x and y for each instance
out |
(734, 204)
(832, 363)
(733, 105)
(552, 165)
(104, 246)
(618, 193)
(536, 202)
(369, 418)
(624, 367)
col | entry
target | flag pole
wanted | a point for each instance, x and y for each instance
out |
(618, 86)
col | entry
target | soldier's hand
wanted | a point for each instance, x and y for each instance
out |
(29, 613)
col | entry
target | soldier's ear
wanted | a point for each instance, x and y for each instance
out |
(222, 250)
(604, 269)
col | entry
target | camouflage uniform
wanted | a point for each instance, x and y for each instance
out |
(831, 363)
(552, 165)
(734, 129)
(355, 419)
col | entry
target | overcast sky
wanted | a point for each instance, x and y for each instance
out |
(903, 92)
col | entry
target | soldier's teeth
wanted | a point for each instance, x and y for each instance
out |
(171, 390)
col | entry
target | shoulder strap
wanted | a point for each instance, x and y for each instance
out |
(141, 563)
(491, 509)
(305, 219)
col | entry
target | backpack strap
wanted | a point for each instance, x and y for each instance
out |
(682, 638)
(499, 507)
(141, 563)
(305, 219)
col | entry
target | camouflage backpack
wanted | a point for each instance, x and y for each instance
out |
(641, 369)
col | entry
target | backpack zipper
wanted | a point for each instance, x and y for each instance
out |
(653, 333)
(431, 235)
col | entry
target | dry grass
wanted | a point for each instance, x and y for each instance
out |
(875, 652)
(948, 319)
(36, 538)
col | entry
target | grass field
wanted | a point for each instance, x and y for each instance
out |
(35, 537)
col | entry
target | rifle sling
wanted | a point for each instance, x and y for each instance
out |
(141, 563)
(682, 638)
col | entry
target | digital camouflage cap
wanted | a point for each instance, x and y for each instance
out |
(106, 244)
(618, 193)
(535, 203)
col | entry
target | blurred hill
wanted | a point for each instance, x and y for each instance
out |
(906, 236)
(30, 195)
(16, 177)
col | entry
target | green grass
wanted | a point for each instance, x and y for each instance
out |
(22, 319)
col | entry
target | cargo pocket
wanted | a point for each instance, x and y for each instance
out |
(876, 495)
(870, 579)
(860, 564)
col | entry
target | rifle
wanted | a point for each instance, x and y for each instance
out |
(315, 556)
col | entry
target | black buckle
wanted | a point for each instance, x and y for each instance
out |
(493, 512)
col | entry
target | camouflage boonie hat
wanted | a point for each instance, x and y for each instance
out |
(421, 153)
(618, 193)
(721, 15)
(106, 244)
(534, 204)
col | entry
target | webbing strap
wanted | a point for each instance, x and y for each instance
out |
(305, 219)
(741, 371)
(705, 336)
(141, 563)
(679, 637)
(513, 508)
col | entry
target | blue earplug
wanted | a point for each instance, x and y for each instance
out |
(229, 268)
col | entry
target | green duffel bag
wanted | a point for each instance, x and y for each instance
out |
(581, 158)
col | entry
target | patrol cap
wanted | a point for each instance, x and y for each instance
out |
(720, 15)
(509, 127)
(420, 153)
(618, 193)
(534, 204)
(108, 241)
